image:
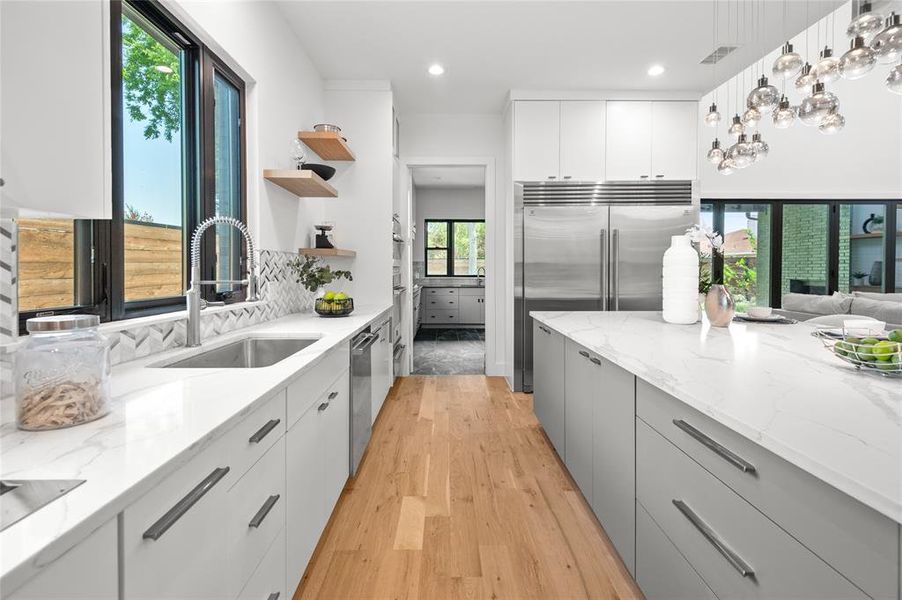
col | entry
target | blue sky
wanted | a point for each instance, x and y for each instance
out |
(153, 172)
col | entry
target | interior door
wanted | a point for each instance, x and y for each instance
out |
(639, 237)
(563, 248)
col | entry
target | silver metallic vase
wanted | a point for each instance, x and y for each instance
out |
(719, 306)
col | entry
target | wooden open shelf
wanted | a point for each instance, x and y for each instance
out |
(327, 252)
(866, 236)
(303, 183)
(329, 145)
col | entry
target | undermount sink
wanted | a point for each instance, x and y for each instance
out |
(249, 353)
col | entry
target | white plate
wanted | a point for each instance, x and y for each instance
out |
(768, 319)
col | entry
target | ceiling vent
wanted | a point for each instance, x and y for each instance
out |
(718, 55)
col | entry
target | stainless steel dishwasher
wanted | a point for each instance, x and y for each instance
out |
(361, 394)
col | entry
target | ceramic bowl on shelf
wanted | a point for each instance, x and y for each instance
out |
(327, 127)
(324, 171)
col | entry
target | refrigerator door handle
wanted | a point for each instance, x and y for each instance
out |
(615, 239)
(604, 270)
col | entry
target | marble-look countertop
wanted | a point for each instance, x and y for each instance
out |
(774, 384)
(161, 418)
(462, 284)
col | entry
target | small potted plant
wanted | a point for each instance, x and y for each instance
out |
(858, 278)
(312, 273)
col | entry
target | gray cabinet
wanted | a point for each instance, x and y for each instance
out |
(472, 305)
(549, 383)
(584, 379)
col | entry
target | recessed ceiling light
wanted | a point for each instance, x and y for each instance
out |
(163, 69)
(655, 70)
(436, 69)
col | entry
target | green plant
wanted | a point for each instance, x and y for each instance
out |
(313, 273)
(859, 275)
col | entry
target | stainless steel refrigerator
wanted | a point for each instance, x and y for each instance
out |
(591, 247)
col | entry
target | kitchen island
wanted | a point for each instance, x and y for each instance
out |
(646, 414)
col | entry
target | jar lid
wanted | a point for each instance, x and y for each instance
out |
(61, 323)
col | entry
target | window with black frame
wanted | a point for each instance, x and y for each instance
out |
(178, 157)
(454, 247)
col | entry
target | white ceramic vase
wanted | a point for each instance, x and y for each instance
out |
(681, 282)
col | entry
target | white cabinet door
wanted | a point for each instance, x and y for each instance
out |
(614, 457)
(54, 108)
(537, 126)
(674, 147)
(268, 581)
(583, 375)
(469, 309)
(90, 570)
(548, 383)
(582, 140)
(334, 432)
(304, 508)
(628, 146)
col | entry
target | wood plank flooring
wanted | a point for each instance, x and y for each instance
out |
(460, 495)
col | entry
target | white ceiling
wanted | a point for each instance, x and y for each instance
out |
(448, 177)
(491, 47)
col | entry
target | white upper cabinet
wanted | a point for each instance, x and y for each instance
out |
(54, 108)
(582, 140)
(559, 141)
(651, 140)
(674, 135)
(628, 145)
(537, 130)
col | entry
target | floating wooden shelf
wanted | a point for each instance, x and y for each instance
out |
(327, 252)
(305, 184)
(327, 144)
(866, 236)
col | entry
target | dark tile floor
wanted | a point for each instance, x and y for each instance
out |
(449, 352)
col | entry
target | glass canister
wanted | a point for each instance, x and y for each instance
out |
(62, 373)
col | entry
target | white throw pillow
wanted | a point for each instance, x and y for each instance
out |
(820, 305)
(891, 312)
(835, 320)
(879, 296)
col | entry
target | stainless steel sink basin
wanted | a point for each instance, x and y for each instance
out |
(249, 353)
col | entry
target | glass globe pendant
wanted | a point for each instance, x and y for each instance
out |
(742, 153)
(763, 97)
(817, 106)
(715, 154)
(827, 68)
(751, 117)
(713, 116)
(761, 147)
(726, 167)
(894, 80)
(805, 80)
(785, 115)
(858, 61)
(832, 123)
(736, 128)
(788, 64)
(866, 23)
(887, 44)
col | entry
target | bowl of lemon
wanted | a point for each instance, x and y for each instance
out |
(879, 353)
(334, 304)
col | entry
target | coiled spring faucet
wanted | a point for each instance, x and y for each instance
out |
(192, 296)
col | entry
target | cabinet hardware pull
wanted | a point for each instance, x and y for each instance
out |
(709, 534)
(264, 510)
(263, 431)
(333, 395)
(184, 505)
(726, 454)
(322, 406)
(595, 361)
(273, 596)
(643, 176)
(659, 176)
(584, 354)
(552, 177)
(568, 176)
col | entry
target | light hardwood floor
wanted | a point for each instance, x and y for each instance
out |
(460, 495)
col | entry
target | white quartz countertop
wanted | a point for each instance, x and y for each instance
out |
(160, 419)
(774, 384)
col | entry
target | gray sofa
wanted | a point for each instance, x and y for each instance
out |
(883, 307)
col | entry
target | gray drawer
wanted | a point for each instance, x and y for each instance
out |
(437, 291)
(661, 571)
(738, 552)
(439, 302)
(440, 315)
(857, 541)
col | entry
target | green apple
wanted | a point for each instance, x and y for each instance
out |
(329, 296)
(885, 349)
(895, 335)
(341, 296)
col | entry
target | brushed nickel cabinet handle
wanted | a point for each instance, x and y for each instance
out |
(184, 505)
(595, 361)
(264, 510)
(584, 354)
(709, 534)
(322, 406)
(333, 395)
(714, 446)
(273, 596)
(263, 431)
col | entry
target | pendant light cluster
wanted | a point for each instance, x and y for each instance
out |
(874, 40)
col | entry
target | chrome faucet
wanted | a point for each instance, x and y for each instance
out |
(192, 296)
(480, 277)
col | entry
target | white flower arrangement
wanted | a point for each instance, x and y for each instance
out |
(700, 233)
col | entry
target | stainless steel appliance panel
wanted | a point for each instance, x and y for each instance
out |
(640, 234)
(361, 394)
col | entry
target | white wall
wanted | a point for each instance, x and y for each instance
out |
(284, 95)
(861, 161)
(445, 203)
(468, 137)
